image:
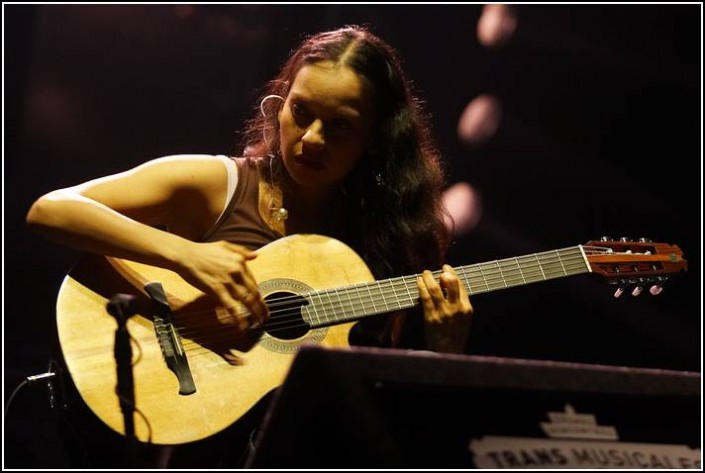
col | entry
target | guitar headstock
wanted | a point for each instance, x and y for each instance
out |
(634, 263)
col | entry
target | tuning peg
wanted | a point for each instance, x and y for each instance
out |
(637, 290)
(606, 238)
(645, 240)
(619, 292)
(656, 289)
(625, 239)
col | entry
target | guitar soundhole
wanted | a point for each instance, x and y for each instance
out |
(285, 319)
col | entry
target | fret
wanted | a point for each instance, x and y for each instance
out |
(306, 315)
(500, 273)
(331, 306)
(411, 297)
(527, 266)
(372, 299)
(396, 297)
(321, 307)
(490, 271)
(484, 280)
(340, 301)
(577, 263)
(540, 267)
(516, 261)
(352, 304)
(560, 260)
(511, 274)
(381, 292)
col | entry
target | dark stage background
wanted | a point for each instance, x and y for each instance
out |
(600, 135)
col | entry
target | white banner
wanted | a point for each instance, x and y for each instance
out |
(518, 452)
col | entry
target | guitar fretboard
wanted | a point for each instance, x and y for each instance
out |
(348, 303)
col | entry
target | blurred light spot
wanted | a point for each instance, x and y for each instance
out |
(464, 206)
(480, 119)
(496, 25)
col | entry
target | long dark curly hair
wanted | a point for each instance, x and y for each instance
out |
(395, 192)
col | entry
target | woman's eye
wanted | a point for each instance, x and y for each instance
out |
(297, 110)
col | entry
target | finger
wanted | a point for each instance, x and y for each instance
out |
(225, 300)
(433, 288)
(258, 310)
(241, 319)
(431, 304)
(242, 250)
(457, 293)
(241, 274)
(451, 285)
(247, 292)
(250, 255)
(231, 311)
(425, 296)
(461, 285)
(232, 316)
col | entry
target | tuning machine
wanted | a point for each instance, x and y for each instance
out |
(638, 284)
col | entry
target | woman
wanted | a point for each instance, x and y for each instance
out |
(339, 147)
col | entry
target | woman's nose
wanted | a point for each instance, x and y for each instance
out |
(314, 134)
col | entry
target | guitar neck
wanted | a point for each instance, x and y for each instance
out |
(333, 306)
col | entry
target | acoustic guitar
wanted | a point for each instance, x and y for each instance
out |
(194, 376)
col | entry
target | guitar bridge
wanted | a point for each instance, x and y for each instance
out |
(169, 339)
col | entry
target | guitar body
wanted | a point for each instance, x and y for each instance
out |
(231, 373)
(307, 281)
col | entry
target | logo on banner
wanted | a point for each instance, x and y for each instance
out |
(578, 441)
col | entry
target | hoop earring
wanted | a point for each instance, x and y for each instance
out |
(272, 96)
(264, 115)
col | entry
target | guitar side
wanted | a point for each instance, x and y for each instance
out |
(231, 373)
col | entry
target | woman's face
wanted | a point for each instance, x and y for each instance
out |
(325, 124)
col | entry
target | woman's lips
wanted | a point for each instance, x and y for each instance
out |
(308, 162)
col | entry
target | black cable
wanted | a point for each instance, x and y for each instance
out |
(27, 380)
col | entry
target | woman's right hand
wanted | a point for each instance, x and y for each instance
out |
(220, 270)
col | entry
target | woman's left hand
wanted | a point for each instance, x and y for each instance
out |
(447, 311)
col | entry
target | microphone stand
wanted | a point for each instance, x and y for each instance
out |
(122, 307)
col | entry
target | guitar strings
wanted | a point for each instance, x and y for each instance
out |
(393, 285)
(288, 299)
(291, 318)
(290, 321)
(463, 274)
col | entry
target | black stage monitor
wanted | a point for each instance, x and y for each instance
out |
(377, 408)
